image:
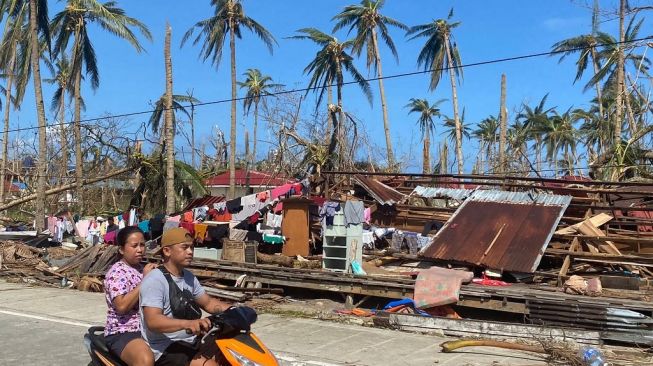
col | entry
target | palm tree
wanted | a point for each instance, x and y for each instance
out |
(150, 193)
(13, 34)
(487, 134)
(159, 110)
(440, 53)
(560, 134)
(38, 24)
(365, 18)
(73, 22)
(326, 67)
(586, 46)
(426, 124)
(257, 86)
(533, 119)
(228, 17)
(450, 127)
(63, 81)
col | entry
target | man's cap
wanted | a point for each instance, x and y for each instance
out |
(174, 236)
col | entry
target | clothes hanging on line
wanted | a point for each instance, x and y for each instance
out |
(354, 212)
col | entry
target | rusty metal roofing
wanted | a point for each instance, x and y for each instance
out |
(381, 193)
(500, 230)
(203, 201)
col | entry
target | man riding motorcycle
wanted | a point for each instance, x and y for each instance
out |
(171, 300)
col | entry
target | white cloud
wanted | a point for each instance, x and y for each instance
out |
(557, 24)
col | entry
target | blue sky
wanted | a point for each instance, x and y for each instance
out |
(488, 30)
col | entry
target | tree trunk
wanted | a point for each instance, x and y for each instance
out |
(192, 134)
(79, 166)
(620, 75)
(62, 131)
(170, 137)
(340, 123)
(5, 133)
(426, 154)
(384, 106)
(456, 119)
(503, 129)
(253, 161)
(330, 121)
(60, 189)
(40, 110)
(444, 158)
(232, 142)
(599, 97)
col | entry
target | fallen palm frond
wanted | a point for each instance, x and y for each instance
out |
(556, 353)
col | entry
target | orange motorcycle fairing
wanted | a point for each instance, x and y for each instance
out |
(246, 345)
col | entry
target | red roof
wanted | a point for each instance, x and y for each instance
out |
(10, 187)
(255, 179)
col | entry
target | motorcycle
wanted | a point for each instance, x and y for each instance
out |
(229, 340)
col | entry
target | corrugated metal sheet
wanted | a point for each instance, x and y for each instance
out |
(439, 192)
(500, 230)
(381, 193)
(203, 201)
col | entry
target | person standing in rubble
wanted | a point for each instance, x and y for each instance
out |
(121, 289)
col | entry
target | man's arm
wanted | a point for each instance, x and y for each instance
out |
(211, 304)
(157, 322)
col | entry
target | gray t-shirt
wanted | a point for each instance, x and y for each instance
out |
(156, 293)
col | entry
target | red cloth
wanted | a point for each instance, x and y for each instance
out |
(254, 218)
(485, 281)
(212, 213)
(188, 226)
(188, 216)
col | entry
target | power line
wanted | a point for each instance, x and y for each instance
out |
(307, 89)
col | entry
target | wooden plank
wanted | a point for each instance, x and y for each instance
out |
(596, 220)
(489, 329)
(575, 244)
(587, 228)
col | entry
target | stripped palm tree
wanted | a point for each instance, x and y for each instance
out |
(427, 112)
(62, 78)
(228, 18)
(328, 66)
(440, 53)
(258, 87)
(73, 23)
(365, 19)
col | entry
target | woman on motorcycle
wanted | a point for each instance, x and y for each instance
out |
(121, 289)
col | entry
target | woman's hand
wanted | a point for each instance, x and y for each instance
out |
(148, 267)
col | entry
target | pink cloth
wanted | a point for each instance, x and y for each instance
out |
(52, 224)
(120, 280)
(82, 227)
(110, 237)
(439, 286)
(280, 191)
(367, 215)
(174, 218)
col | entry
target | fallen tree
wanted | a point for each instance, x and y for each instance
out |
(65, 187)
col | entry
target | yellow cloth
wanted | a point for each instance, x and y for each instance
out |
(200, 231)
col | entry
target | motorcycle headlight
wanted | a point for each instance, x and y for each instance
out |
(242, 360)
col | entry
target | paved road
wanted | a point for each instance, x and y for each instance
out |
(45, 326)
